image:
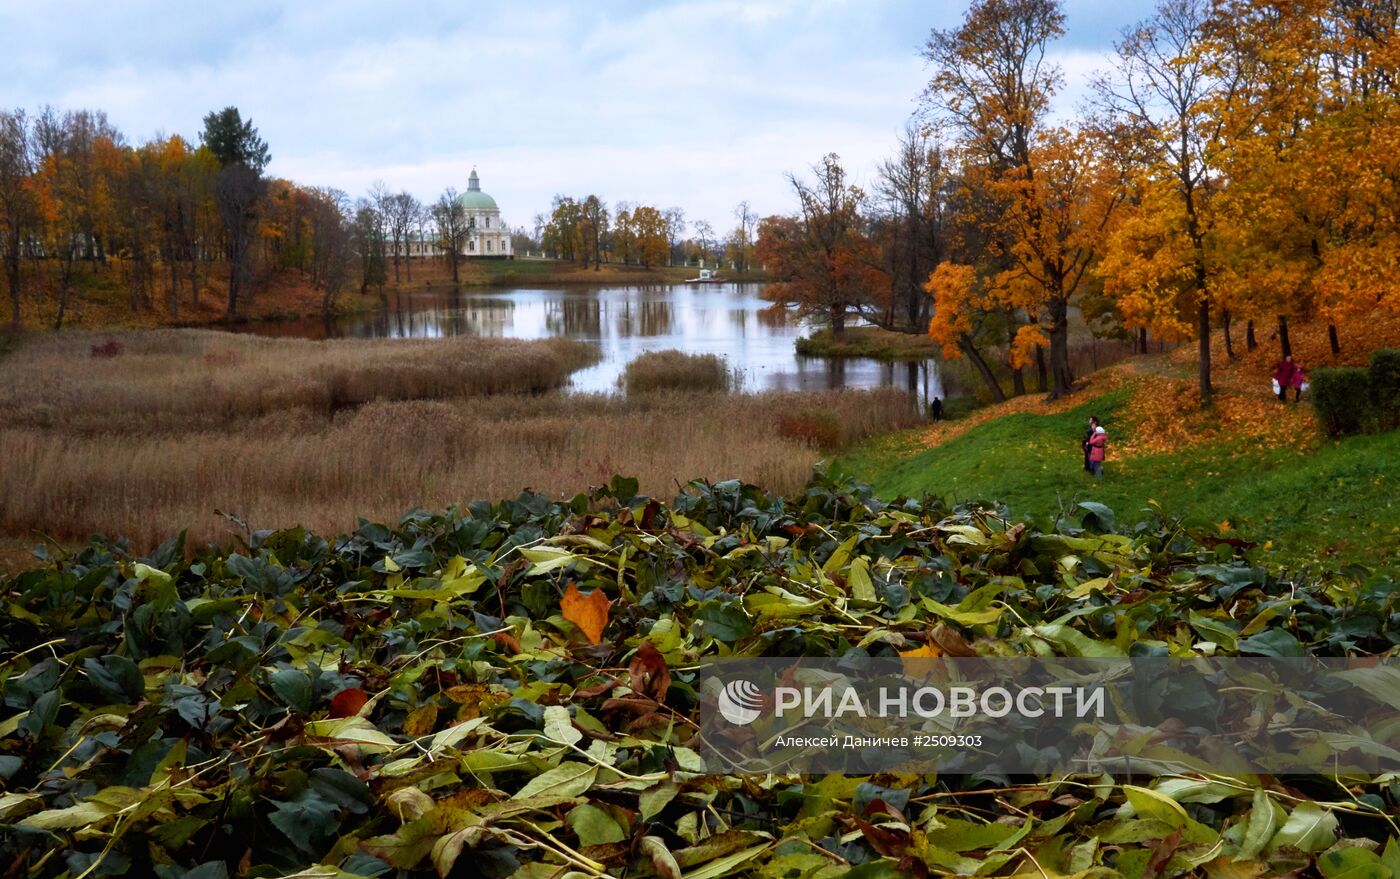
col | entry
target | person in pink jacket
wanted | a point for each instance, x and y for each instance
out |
(1284, 374)
(1096, 451)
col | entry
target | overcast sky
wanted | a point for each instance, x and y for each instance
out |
(697, 104)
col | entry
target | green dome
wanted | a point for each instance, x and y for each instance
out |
(477, 201)
(474, 199)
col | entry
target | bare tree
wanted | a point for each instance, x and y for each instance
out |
(743, 239)
(237, 192)
(914, 187)
(453, 229)
(704, 234)
(367, 240)
(675, 232)
(402, 211)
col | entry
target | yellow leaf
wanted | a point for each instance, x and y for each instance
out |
(588, 612)
(928, 651)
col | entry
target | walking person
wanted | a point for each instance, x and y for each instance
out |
(1097, 448)
(936, 409)
(1084, 444)
(1300, 383)
(1283, 377)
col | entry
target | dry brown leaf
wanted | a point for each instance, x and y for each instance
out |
(588, 612)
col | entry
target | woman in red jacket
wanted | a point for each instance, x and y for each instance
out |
(1283, 375)
(1096, 452)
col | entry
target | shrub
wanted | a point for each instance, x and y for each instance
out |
(109, 348)
(1342, 398)
(1385, 386)
(819, 430)
(677, 371)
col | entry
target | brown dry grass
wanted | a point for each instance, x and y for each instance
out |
(673, 370)
(173, 381)
(129, 446)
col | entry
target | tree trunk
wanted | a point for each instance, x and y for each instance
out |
(1332, 339)
(1018, 381)
(1041, 377)
(1229, 342)
(233, 283)
(1285, 344)
(970, 350)
(1250, 343)
(63, 289)
(1140, 343)
(12, 270)
(838, 321)
(1062, 377)
(1203, 329)
(1198, 258)
(172, 299)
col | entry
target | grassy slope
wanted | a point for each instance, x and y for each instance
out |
(1339, 499)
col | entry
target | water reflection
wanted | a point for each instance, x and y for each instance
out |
(727, 319)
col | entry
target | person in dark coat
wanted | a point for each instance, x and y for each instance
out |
(936, 409)
(1093, 423)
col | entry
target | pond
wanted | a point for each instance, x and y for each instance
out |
(731, 320)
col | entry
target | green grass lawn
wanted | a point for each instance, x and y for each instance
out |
(1340, 502)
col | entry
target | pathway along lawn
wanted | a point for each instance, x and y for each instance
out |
(1309, 499)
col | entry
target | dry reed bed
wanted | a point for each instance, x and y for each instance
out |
(179, 380)
(672, 370)
(181, 423)
(298, 468)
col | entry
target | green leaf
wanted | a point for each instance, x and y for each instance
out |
(559, 727)
(354, 730)
(1072, 642)
(1310, 828)
(726, 865)
(305, 820)
(1151, 804)
(654, 800)
(1265, 818)
(862, 588)
(725, 622)
(15, 805)
(85, 814)
(293, 688)
(565, 780)
(1352, 863)
(593, 826)
(117, 677)
(841, 555)
(1391, 857)
(1272, 642)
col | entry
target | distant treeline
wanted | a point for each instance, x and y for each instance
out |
(174, 214)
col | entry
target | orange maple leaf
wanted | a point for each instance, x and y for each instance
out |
(588, 612)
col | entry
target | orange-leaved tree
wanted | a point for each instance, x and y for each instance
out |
(1051, 190)
(823, 261)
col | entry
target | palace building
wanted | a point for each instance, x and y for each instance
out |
(489, 238)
